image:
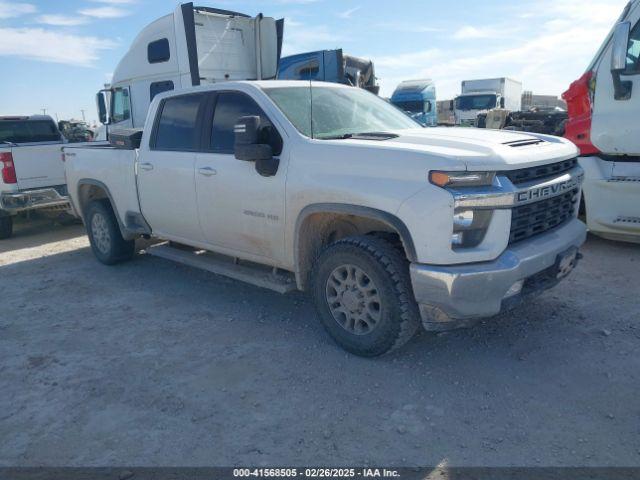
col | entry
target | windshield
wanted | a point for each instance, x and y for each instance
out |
(337, 111)
(476, 102)
(411, 106)
(28, 131)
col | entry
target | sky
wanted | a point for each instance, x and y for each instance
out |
(56, 54)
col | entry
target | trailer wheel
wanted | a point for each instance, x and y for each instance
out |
(105, 237)
(6, 227)
(362, 293)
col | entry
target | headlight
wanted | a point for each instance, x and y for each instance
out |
(461, 179)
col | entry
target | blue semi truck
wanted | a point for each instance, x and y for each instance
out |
(329, 66)
(418, 99)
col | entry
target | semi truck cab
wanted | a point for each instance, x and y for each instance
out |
(191, 46)
(329, 66)
(604, 107)
(418, 99)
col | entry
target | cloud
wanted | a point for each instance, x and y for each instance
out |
(61, 20)
(116, 2)
(300, 37)
(346, 14)
(406, 27)
(49, 46)
(104, 12)
(469, 32)
(547, 52)
(12, 10)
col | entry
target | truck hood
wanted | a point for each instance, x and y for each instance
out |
(482, 149)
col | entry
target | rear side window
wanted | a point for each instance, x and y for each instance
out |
(177, 125)
(158, 51)
(27, 131)
(230, 106)
(158, 87)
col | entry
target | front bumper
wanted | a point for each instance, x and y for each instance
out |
(451, 295)
(15, 202)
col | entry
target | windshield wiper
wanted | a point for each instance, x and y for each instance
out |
(11, 144)
(362, 136)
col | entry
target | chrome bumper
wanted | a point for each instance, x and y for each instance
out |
(31, 199)
(454, 294)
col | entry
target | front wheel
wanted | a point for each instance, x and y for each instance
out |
(362, 293)
(105, 237)
(6, 227)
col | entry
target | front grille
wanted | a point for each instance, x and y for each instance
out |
(534, 173)
(535, 218)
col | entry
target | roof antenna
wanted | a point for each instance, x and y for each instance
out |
(311, 107)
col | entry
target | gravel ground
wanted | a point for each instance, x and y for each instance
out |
(151, 363)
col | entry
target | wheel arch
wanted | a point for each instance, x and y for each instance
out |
(315, 222)
(89, 190)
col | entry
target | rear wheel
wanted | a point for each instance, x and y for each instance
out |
(6, 227)
(362, 292)
(105, 237)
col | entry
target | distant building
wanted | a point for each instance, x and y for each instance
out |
(529, 100)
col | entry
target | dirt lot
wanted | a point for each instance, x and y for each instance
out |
(152, 363)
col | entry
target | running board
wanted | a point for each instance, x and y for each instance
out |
(249, 272)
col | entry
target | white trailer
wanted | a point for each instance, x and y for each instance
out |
(482, 95)
(189, 47)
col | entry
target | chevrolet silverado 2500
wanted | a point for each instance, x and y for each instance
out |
(327, 188)
(32, 169)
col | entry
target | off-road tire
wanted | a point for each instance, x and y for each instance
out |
(105, 237)
(388, 270)
(6, 227)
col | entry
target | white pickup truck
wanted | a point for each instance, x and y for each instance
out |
(327, 188)
(32, 168)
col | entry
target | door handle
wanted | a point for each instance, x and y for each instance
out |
(146, 166)
(207, 171)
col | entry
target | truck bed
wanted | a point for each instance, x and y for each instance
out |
(103, 166)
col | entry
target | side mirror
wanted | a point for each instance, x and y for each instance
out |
(102, 102)
(248, 146)
(501, 102)
(620, 43)
(451, 105)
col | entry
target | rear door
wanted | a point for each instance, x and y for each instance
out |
(166, 169)
(615, 128)
(240, 210)
(38, 157)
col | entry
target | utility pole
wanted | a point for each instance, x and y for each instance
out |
(83, 117)
(44, 111)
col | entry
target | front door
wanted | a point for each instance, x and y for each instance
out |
(240, 210)
(166, 170)
(615, 128)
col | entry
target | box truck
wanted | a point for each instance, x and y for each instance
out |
(482, 95)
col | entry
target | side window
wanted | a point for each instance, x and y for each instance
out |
(120, 107)
(633, 51)
(158, 51)
(230, 106)
(158, 87)
(176, 128)
(427, 106)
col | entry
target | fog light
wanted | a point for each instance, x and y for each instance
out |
(515, 289)
(463, 218)
(457, 238)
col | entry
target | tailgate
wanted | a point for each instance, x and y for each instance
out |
(39, 165)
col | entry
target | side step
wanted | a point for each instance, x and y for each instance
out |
(249, 272)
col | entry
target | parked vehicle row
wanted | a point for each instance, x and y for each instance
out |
(324, 187)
